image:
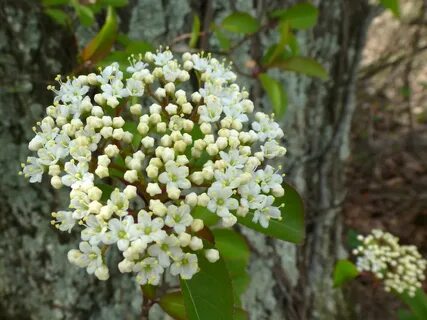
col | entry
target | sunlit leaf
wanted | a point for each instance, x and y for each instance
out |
(344, 271)
(101, 44)
(304, 65)
(275, 92)
(291, 227)
(209, 294)
(195, 31)
(299, 16)
(392, 5)
(240, 22)
(173, 304)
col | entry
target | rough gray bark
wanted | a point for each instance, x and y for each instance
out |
(288, 282)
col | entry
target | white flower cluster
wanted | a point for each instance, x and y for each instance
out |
(400, 267)
(161, 152)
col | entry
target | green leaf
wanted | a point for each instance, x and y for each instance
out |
(101, 44)
(195, 31)
(54, 2)
(300, 16)
(351, 239)
(85, 15)
(304, 65)
(114, 3)
(403, 314)
(240, 22)
(291, 227)
(173, 304)
(278, 49)
(60, 16)
(417, 304)
(234, 249)
(240, 314)
(345, 271)
(223, 41)
(204, 214)
(275, 93)
(106, 190)
(209, 294)
(392, 5)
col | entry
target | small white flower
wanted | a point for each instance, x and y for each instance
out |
(94, 231)
(179, 218)
(221, 200)
(121, 232)
(164, 250)
(185, 266)
(266, 211)
(149, 271)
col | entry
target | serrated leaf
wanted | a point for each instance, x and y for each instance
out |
(417, 304)
(173, 304)
(59, 16)
(291, 228)
(392, 5)
(240, 22)
(234, 248)
(101, 44)
(344, 271)
(275, 92)
(195, 31)
(209, 294)
(304, 65)
(300, 16)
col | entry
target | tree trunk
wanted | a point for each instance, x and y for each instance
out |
(288, 282)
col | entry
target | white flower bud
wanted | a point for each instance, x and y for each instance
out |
(106, 212)
(147, 142)
(97, 111)
(94, 193)
(102, 273)
(143, 128)
(184, 239)
(91, 79)
(212, 149)
(102, 172)
(136, 109)
(212, 255)
(118, 134)
(203, 199)
(196, 97)
(160, 93)
(95, 207)
(153, 189)
(56, 182)
(99, 99)
(130, 192)
(197, 177)
(131, 176)
(125, 266)
(242, 211)
(152, 171)
(158, 207)
(166, 140)
(179, 146)
(278, 191)
(187, 108)
(229, 221)
(173, 192)
(106, 132)
(161, 127)
(221, 143)
(118, 122)
(54, 170)
(197, 225)
(170, 87)
(191, 199)
(196, 244)
(181, 160)
(111, 150)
